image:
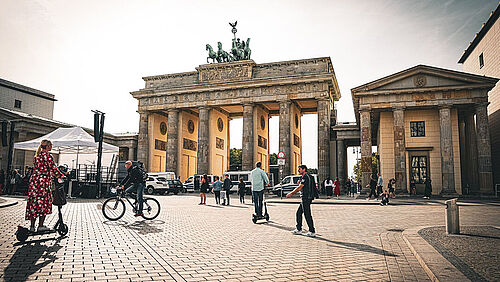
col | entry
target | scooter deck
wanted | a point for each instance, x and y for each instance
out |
(31, 233)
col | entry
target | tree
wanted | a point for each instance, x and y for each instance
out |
(235, 157)
(312, 170)
(273, 159)
(357, 167)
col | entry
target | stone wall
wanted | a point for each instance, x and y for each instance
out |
(188, 140)
(30, 104)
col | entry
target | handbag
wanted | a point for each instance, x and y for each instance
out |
(59, 196)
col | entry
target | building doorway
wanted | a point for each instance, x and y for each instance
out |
(419, 169)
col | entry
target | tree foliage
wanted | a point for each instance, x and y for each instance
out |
(357, 168)
(273, 159)
(235, 156)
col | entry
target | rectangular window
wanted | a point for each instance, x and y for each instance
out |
(481, 60)
(417, 128)
(17, 104)
(419, 169)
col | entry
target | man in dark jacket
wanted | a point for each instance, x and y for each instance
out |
(227, 186)
(307, 188)
(135, 178)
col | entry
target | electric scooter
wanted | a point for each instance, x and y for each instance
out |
(255, 218)
(60, 227)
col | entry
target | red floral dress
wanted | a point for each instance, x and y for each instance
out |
(40, 188)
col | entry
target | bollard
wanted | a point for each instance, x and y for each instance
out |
(452, 218)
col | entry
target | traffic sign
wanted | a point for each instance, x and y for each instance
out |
(281, 161)
(281, 155)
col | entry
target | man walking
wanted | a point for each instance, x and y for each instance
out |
(307, 190)
(227, 187)
(259, 181)
(373, 187)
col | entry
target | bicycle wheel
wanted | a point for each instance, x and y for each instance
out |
(151, 208)
(113, 208)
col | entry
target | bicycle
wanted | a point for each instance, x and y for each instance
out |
(114, 208)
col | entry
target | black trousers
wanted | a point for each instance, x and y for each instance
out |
(217, 197)
(242, 198)
(227, 196)
(305, 208)
(372, 192)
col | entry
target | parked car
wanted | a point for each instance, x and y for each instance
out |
(174, 186)
(156, 185)
(189, 184)
(290, 182)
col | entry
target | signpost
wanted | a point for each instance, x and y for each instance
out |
(281, 164)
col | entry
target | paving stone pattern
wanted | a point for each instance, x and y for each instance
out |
(475, 252)
(188, 242)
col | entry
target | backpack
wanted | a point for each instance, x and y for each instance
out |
(313, 192)
(142, 171)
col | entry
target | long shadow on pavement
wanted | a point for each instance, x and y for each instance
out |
(143, 227)
(30, 258)
(346, 245)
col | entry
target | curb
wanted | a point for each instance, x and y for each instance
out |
(434, 264)
(8, 203)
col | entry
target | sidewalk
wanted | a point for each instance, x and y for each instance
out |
(472, 255)
(7, 202)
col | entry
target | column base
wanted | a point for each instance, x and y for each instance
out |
(449, 195)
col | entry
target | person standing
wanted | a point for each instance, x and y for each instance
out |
(216, 188)
(17, 179)
(390, 185)
(39, 202)
(2, 180)
(259, 181)
(227, 186)
(348, 187)
(203, 190)
(373, 187)
(336, 186)
(428, 188)
(329, 187)
(413, 187)
(242, 190)
(380, 184)
(307, 191)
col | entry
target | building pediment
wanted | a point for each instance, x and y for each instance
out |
(425, 78)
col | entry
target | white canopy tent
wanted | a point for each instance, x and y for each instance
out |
(72, 140)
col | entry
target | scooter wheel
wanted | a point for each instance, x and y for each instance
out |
(22, 234)
(267, 217)
(63, 229)
(254, 219)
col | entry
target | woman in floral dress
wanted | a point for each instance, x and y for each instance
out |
(41, 186)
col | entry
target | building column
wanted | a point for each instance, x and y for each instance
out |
(247, 153)
(484, 150)
(471, 155)
(172, 141)
(447, 161)
(203, 140)
(285, 134)
(341, 160)
(143, 140)
(399, 150)
(131, 153)
(323, 139)
(366, 149)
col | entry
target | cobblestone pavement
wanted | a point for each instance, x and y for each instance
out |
(198, 243)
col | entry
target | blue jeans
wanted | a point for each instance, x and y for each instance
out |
(257, 197)
(139, 188)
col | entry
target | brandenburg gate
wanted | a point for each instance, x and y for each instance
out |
(184, 117)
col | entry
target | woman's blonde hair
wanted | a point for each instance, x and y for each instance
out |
(44, 144)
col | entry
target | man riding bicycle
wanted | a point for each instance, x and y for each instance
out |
(135, 178)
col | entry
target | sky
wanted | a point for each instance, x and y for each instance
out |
(91, 54)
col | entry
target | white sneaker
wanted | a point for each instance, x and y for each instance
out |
(32, 229)
(43, 228)
(297, 232)
(310, 234)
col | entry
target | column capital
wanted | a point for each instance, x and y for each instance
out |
(398, 108)
(364, 108)
(248, 104)
(444, 107)
(288, 101)
(172, 110)
(481, 104)
(204, 107)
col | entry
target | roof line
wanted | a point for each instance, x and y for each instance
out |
(479, 36)
(27, 90)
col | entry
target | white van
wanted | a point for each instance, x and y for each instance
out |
(189, 184)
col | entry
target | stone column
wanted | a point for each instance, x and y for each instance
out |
(447, 161)
(131, 153)
(203, 140)
(484, 150)
(172, 141)
(143, 140)
(323, 139)
(341, 160)
(285, 134)
(399, 149)
(247, 153)
(471, 152)
(366, 149)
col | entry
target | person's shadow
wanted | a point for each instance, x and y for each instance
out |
(30, 258)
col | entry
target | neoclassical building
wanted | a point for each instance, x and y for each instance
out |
(184, 117)
(427, 122)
